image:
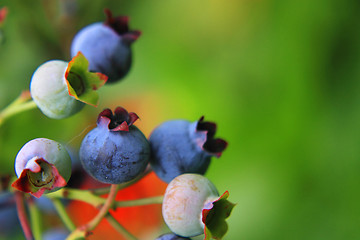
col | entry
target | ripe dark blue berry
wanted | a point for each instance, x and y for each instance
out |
(115, 151)
(55, 234)
(9, 222)
(107, 46)
(171, 236)
(179, 146)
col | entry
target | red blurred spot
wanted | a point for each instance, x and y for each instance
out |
(141, 221)
(3, 13)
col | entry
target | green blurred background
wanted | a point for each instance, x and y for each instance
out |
(280, 78)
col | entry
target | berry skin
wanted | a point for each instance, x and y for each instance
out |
(61, 88)
(42, 165)
(171, 236)
(107, 46)
(9, 222)
(49, 90)
(115, 151)
(179, 146)
(192, 206)
(55, 234)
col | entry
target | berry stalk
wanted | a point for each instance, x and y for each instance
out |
(118, 227)
(105, 190)
(87, 228)
(76, 194)
(139, 202)
(20, 104)
(96, 201)
(105, 209)
(63, 215)
(20, 207)
(35, 219)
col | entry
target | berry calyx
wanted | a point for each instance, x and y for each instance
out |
(120, 25)
(82, 84)
(42, 165)
(214, 215)
(121, 120)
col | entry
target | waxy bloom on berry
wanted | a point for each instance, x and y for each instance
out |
(42, 165)
(107, 46)
(171, 236)
(115, 151)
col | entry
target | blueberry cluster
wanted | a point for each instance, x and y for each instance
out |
(116, 151)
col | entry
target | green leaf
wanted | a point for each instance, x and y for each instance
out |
(83, 84)
(214, 218)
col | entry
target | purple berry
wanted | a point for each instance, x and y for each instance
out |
(107, 46)
(42, 165)
(179, 146)
(55, 234)
(171, 236)
(192, 206)
(115, 151)
(9, 222)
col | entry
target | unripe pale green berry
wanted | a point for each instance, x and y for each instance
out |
(42, 165)
(192, 206)
(60, 88)
(50, 92)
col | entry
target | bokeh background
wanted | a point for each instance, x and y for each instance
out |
(280, 78)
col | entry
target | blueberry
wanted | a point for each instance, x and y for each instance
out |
(42, 165)
(179, 146)
(171, 236)
(61, 88)
(107, 46)
(115, 151)
(192, 206)
(50, 92)
(55, 234)
(9, 222)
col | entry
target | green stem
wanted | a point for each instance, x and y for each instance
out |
(76, 194)
(105, 209)
(86, 229)
(20, 104)
(96, 201)
(118, 227)
(105, 190)
(139, 202)
(35, 219)
(100, 191)
(63, 214)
